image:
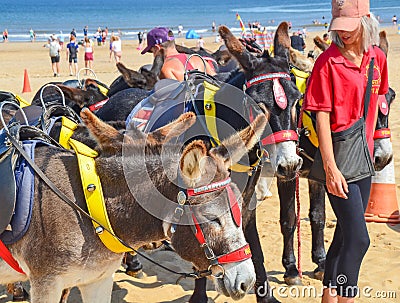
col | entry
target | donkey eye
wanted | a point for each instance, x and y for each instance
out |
(216, 221)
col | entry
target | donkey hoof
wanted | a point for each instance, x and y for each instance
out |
(319, 275)
(20, 296)
(293, 280)
(135, 273)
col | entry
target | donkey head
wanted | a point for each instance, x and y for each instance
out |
(268, 82)
(383, 149)
(213, 205)
(216, 205)
(86, 97)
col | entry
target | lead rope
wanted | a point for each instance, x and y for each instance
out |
(299, 122)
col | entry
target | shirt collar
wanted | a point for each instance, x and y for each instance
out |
(337, 56)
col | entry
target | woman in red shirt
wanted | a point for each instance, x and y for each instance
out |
(336, 93)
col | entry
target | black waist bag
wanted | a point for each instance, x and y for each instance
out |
(351, 152)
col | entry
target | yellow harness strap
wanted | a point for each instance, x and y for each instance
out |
(210, 117)
(94, 195)
(67, 129)
(103, 89)
(301, 82)
(22, 101)
(210, 110)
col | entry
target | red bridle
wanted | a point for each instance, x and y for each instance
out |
(382, 133)
(238, 255)
(98, 105)
(281, 101)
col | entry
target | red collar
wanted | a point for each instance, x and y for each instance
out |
(382, 133)
(280, 136)
(98, 105)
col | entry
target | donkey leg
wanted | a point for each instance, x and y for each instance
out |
(199, 294)
(286, 191)
(317, 219)
(18, 292)
(134, 267)
(45, 290)
(262, 287)
(98, 291)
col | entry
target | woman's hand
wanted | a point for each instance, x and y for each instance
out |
(335, 182)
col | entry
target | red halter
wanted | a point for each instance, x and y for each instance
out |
(279, 92)
(382, 133)
(98, 105)
(280, 136)
(238, 255)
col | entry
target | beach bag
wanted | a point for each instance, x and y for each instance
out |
(350, 148)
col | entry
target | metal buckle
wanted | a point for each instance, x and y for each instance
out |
(221, 272)
(181, 197)
(208, 251)
(179, 211)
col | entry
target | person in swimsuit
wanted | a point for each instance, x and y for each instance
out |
(174, 62)
(89, 50)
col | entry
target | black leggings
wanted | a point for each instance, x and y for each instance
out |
(350, 241)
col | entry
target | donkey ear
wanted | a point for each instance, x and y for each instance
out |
(237, 49)
(233, 148)
(190, 162)
(383, 42)
(282, 40)
(108, 138)
(74, 94)
(131, 77)
(173, 129)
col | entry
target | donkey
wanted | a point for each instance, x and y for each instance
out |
(55, 255)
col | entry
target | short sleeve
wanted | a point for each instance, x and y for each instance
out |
(319, 96)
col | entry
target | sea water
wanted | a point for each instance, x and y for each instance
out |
(128, 17)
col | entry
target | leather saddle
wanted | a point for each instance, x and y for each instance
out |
(40, 124)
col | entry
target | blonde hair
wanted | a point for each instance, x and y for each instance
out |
(370, 34)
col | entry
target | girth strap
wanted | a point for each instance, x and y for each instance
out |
(94, 196)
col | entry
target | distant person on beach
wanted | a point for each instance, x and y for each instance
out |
(32, 35)
(5, 35)
(73, 32)
(394, 20)
(72, 55)
(85, 31)
(297, 42)
(326, 39)
(89, 51)
(140, 40)
(174, 62)
(200, 43)
(54, 51)
(180, 30)
(213, 27)
(116, 48)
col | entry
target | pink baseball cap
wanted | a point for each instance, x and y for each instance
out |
(156, 36)
(346, 14)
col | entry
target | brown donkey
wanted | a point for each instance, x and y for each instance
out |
(61, 249)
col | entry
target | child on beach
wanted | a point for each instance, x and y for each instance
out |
(116, 48)
(72, 55)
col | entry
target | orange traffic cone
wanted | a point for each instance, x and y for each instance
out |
(382, 204)
(27, 86)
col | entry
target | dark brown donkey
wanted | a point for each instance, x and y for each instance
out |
(61, 249)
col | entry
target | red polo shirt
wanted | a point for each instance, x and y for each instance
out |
(338, 86)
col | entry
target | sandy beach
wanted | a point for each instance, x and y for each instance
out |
(380, 272)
